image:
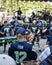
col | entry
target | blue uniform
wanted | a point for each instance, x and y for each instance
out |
(34, 29)
(22, 51)
(6, 30)
(14, 24)
(47, 32)
(48, 27)
(49, 39)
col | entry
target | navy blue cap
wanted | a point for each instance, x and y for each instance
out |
(20, 31)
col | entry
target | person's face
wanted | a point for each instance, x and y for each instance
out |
(21, 38)
(34, 23)
(5, 24)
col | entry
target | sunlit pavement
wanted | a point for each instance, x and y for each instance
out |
(2, 48)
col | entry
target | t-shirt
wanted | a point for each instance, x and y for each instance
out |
(33, 29)
(6, 30)
(22, 51)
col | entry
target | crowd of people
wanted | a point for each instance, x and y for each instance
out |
(27, 30)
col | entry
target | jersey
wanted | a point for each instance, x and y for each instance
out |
(14, 24)
(6, 30)
(49, 39)
(48, 27)
(22, 51)
(33, 29)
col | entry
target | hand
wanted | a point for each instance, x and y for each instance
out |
(22, 63)
(46, 46)
(38, 62)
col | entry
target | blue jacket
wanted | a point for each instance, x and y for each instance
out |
(22, 51)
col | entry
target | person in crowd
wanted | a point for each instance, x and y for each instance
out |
(29, 36)
(1, 35)
(32, 17)
(35, 30)
(40, 26)
(22, 50)
(46, 30)
(19, 12)
(3, 17)
(1, 25)
(6, 60)
(6, 31)
(49, 38)
(14, 24)
(46, 56)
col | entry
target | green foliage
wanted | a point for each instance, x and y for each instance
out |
(13, 5)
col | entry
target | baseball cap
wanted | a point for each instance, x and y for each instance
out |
(6, 60)
(21, 31)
